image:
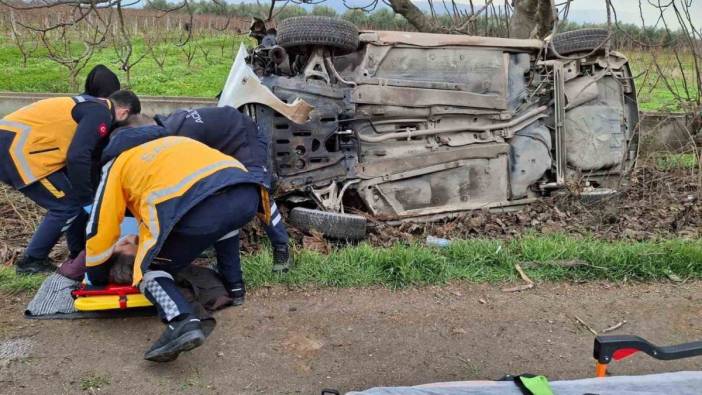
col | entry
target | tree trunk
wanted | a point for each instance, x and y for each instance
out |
(73, 79)
(531, 19)
(414, 16)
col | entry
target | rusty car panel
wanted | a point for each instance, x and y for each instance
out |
(418, 125)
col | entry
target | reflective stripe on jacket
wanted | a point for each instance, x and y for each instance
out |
(227, 130)
(158, 182)
(43, 132)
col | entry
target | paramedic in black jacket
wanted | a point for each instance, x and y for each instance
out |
(49, 151)
(235, 134)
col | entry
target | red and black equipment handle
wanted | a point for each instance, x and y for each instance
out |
(618, 347)
(110, 289)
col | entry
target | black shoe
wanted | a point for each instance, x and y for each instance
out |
(238, 293)
(30, 265)
(179, 336)
(282, 260)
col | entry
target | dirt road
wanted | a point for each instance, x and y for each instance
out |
(301, 341)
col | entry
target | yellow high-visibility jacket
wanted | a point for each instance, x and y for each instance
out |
(158, 182)
(37, 138)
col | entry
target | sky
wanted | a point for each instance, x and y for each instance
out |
(582, 11)
(595, 11)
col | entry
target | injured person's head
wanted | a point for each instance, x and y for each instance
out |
(122, 260)
(136, 120)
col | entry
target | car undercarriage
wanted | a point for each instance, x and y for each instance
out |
(405, 125)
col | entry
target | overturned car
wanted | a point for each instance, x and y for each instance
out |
(414, 125)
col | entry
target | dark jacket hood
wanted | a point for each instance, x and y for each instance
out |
(101, 82)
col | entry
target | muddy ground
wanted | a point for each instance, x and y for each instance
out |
(294, 341)
(284, 341)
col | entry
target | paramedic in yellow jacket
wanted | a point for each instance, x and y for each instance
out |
(49, 151)
(186, 197)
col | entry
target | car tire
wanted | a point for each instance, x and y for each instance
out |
(597, 196)
(333, 225)
(581, 40)
(303, 31)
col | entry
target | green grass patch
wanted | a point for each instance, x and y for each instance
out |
(486, 261)
(203, 77)
(655, 85)
(677, 161)
(545, 258)
(94, 382)
(11, 283)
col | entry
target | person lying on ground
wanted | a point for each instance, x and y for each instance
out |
(186, 197)
(200, 285)
(49, 151)
(124, 251)
(233, 133)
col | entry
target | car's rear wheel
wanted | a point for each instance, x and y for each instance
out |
(333, 225)
(302, 31)
(581, 40)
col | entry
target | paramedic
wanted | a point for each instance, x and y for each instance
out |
(186, 197)
(234, 133)
(49, 151)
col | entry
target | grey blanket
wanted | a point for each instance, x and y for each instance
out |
(53, 297)
(678, 383)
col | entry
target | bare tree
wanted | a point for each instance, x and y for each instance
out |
(157, 45)
(123, 47)
(205, 53)
(72, 50)
(677, 59)
(24, 40)
(527, 19)
(189, 49)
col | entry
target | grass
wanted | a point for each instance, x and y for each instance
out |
(478, 260)
(93, 382)
(205, 76)
(486, 261)
(677, 161)
(653, 93)
(11, 283)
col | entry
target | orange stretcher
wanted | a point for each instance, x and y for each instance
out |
(111, 297)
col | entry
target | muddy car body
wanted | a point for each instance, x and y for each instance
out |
(417, 125)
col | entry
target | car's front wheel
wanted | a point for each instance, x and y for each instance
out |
(304, 31)
(581, 40)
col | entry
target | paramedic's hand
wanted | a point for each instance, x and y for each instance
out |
(88, 209)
